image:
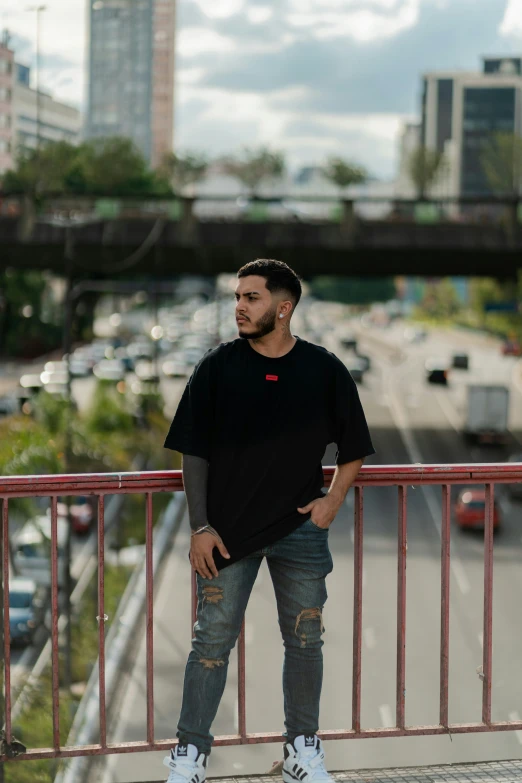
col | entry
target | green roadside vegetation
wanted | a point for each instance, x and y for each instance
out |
(441, 306)
(115, 431)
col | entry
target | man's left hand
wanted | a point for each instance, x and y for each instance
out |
(323, 511)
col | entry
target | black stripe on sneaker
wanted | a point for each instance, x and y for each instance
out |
(291, 774)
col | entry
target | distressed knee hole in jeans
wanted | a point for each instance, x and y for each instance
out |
(211, 663)
(305, 616)
(212, 594)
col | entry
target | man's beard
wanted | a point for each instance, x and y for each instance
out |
(264, 326)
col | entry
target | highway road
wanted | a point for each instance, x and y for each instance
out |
(410, 422)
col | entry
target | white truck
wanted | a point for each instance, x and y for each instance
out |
(487, 413)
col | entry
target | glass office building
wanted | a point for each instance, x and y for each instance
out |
(461, 112)
(486, 111)
(131, 73)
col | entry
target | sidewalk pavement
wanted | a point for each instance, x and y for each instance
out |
(480, 772)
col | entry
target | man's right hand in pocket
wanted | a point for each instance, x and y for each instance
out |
(201, 552)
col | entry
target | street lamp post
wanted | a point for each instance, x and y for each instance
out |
(38, 10)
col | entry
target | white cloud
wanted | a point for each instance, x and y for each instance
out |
(259, 14)
(189, 75)
(220, 9)
(511, 24)
(337, 20)
(193, 41)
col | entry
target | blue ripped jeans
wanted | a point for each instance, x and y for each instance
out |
(298, 564)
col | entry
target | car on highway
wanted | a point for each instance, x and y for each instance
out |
(54, 377)
(26, 609)
(349, 342)
(31, 383)
(511, 348)
(110, 370)
(436, 371)
(175, 367)
(81, 514)
(145, 370)
(415, 334)
(140, 349)
(365, 360)
(515, 490)
(122, 355)
(78, 368)
(32, 548)
(460, 361)
(356, 368)
(470, 510)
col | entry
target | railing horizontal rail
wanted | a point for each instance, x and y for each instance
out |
(172, 480)
(149, 483)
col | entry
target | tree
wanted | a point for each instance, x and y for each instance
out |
(113, 166)
(424, 165)
(254, 166)
(182, 170)
(43, 170)
(440, 299)
(343, 173)
(501, 161)
(106, 166)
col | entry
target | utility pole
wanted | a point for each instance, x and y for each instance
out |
(67, 347)
(38, 10)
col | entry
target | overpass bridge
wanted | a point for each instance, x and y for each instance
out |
(102, 238)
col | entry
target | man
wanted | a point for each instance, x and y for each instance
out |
(253, 425)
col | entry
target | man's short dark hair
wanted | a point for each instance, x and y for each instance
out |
(278, 275)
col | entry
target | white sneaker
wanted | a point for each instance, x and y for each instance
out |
(186, 764)
(304, 760)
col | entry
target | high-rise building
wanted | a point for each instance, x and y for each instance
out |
(28, 117)
(461, 112)
(7, 67)
(131, 73)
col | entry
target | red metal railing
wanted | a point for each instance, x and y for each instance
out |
(400, 476)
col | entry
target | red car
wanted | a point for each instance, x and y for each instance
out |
(511, 348)
(81, 514)
(470, 510)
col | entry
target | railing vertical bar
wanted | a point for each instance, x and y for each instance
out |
(101, 620)
(150, 618)
(488, 605)
(7, 630)
(357, 607)
(445, 603)
(55, 653)
(401, 607)
(241, 687)
(194, 599)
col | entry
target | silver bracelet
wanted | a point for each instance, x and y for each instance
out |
(200, 530)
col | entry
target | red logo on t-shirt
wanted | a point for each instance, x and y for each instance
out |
(272, 377)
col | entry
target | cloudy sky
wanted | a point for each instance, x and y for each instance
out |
(309, 77)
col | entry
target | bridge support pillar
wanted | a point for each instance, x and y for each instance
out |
(188, 221)
(348, 219)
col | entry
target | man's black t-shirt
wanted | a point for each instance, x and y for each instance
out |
(263, 424)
